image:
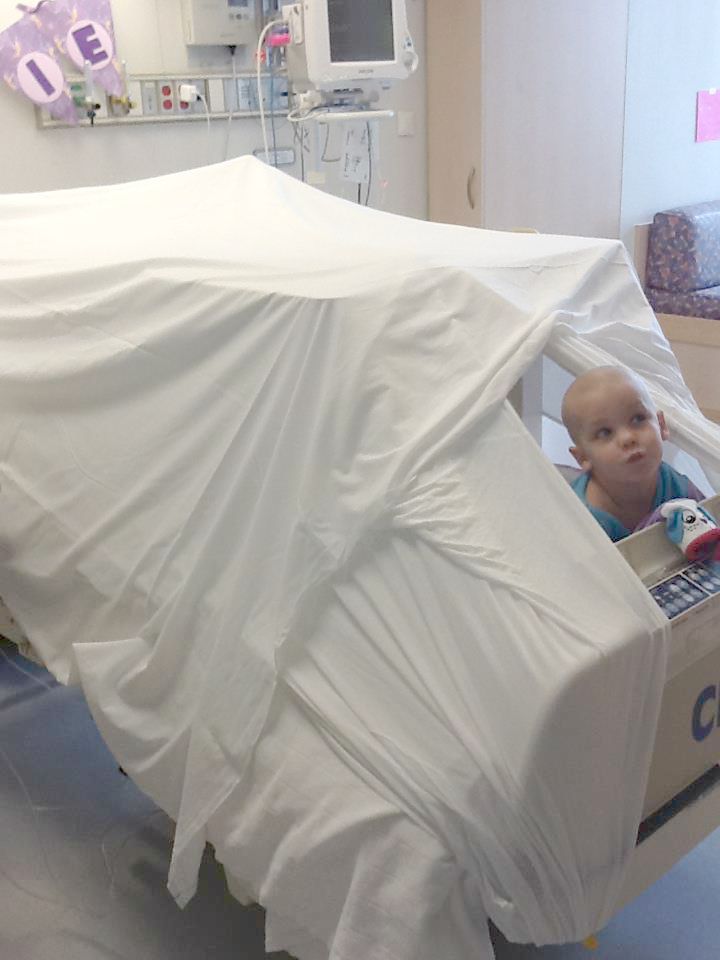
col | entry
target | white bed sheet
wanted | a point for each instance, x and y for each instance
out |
(382, 885)
(257, 458)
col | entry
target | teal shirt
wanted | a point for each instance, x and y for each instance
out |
(670, 484)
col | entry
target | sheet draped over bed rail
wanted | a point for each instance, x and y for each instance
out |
(256, 452)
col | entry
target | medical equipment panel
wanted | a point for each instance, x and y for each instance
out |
(219, 22)
(336, 44)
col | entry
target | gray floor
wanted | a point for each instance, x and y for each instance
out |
(84, 858)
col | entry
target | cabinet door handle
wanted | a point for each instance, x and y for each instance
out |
(471, 188)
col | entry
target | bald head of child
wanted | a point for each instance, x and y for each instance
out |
(617, 437)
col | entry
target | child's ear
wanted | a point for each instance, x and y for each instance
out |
(664, 432)
(580, 458)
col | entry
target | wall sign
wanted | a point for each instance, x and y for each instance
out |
(707, 125)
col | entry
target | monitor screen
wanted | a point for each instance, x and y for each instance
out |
(361, 30)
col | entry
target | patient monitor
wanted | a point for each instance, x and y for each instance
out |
(341, 46)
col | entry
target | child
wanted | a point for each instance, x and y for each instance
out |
(618, 441)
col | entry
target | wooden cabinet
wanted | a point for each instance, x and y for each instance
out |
(454, 104)
(526, 106)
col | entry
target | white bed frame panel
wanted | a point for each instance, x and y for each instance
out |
(661, 851)
(696, 344)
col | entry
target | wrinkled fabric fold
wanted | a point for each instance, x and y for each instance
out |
(256, 451)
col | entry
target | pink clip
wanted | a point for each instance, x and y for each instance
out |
(278, 39)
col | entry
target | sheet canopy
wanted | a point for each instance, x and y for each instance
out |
(256, 454)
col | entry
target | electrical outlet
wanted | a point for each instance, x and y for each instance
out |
(166, 98)
(190, 95)
(187, 91)
(183, 99)
(199, 105)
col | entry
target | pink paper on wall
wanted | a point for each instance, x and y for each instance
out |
(707, 125)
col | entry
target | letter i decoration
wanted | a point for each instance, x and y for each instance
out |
(80, 30)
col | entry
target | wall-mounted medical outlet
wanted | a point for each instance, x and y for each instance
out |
(135, 106)
(240, 94)
(89, 102)
(156, 99)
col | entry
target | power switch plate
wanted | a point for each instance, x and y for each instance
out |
(405, 123)
(216, 95)
(149, 100)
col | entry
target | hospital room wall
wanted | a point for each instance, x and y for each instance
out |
(569, 117)
(672, 54)
(553, 76)
(150, 38)
(525, 114)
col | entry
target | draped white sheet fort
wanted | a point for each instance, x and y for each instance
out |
(257, 462)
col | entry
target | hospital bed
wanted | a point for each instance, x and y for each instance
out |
(310, 791)
(320, 686)
(682, 801)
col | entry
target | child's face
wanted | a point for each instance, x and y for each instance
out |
(620, 436)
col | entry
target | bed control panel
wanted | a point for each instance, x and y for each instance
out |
(684, 590)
